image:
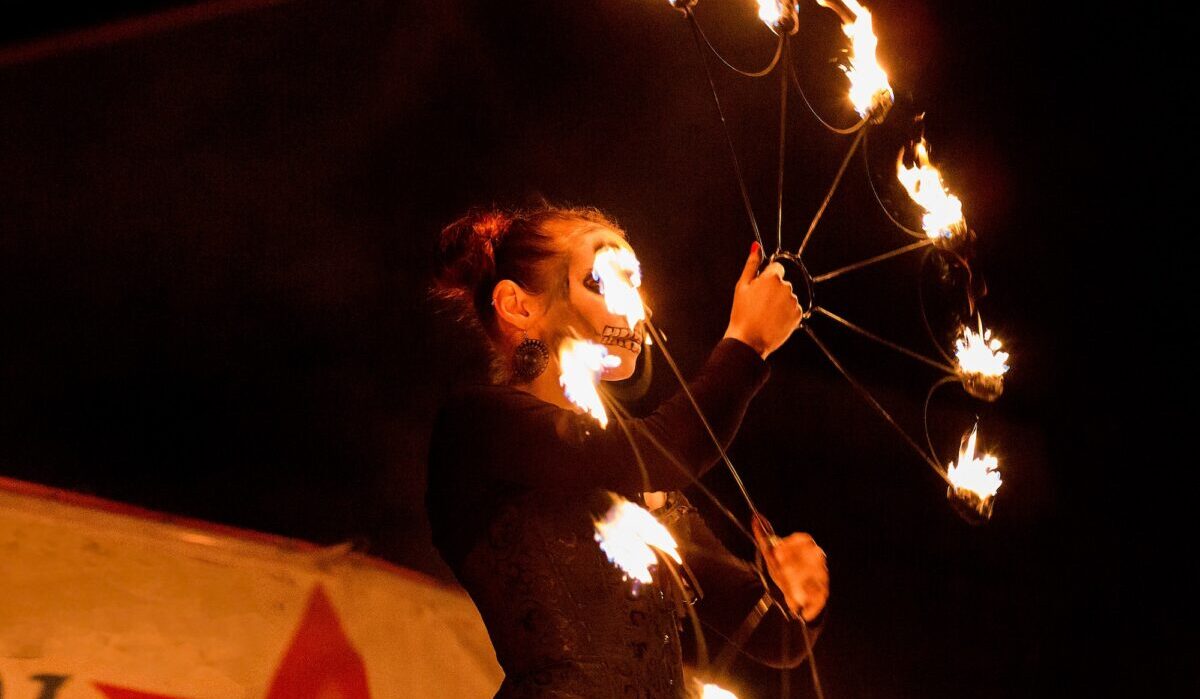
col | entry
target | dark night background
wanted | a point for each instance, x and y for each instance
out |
(215, 238)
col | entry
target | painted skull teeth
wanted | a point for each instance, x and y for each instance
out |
(621, 337)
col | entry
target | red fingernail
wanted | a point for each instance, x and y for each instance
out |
(753, 247)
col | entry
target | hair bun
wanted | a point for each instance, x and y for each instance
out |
(490, 228)
(465, 255)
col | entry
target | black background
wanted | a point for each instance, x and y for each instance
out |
(215, 240)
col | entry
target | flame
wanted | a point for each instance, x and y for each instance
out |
(770, 12)
(868, 82)
(978, 475)
(979, 353)
(580, 365)
(620, 275)
(943, 211)
(628, 535)
(712, 691)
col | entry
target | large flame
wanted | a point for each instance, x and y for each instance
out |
(580, 365)
(770, 12)
(979, 353)
(712, 691)
(869, 86)
(628, 535)
(978, 475)
(620, 275)
(943, 211)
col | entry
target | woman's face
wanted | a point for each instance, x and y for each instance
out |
(583, 311)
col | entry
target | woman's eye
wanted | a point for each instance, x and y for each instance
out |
(591, 283)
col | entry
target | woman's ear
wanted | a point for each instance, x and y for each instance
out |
(514, 306)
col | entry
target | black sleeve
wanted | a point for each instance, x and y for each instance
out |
(512, 436)
(730, 610)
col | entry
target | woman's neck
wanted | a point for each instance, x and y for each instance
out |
(547, 388)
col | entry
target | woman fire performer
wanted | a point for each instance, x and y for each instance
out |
(518, 475)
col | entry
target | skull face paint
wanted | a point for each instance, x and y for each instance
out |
(622, 337)
(585, 312)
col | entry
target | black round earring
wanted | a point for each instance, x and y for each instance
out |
(530, 359)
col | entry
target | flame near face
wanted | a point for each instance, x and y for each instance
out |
(943, 211)
(977, 475)
(712, 691)
(580, 365)
(869, 88)
(620, 274)
(629, 535)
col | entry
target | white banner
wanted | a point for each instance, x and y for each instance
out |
(103, 601)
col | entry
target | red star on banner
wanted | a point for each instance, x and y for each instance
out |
(320, 663)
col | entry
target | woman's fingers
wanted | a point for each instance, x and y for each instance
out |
(750, 271)
(765, 309)
(797, 565)
(773, 270)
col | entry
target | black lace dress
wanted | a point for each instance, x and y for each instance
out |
(515, 484)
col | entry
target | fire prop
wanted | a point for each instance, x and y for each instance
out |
(779, 15)
(620, 274)
(581, 364)
(943, 220)
(981, 364)
(870, 92)
(629, 536)
(712, 691)
(973, 481)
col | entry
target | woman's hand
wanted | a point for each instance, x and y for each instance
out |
(797, 565)
(765, 311)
